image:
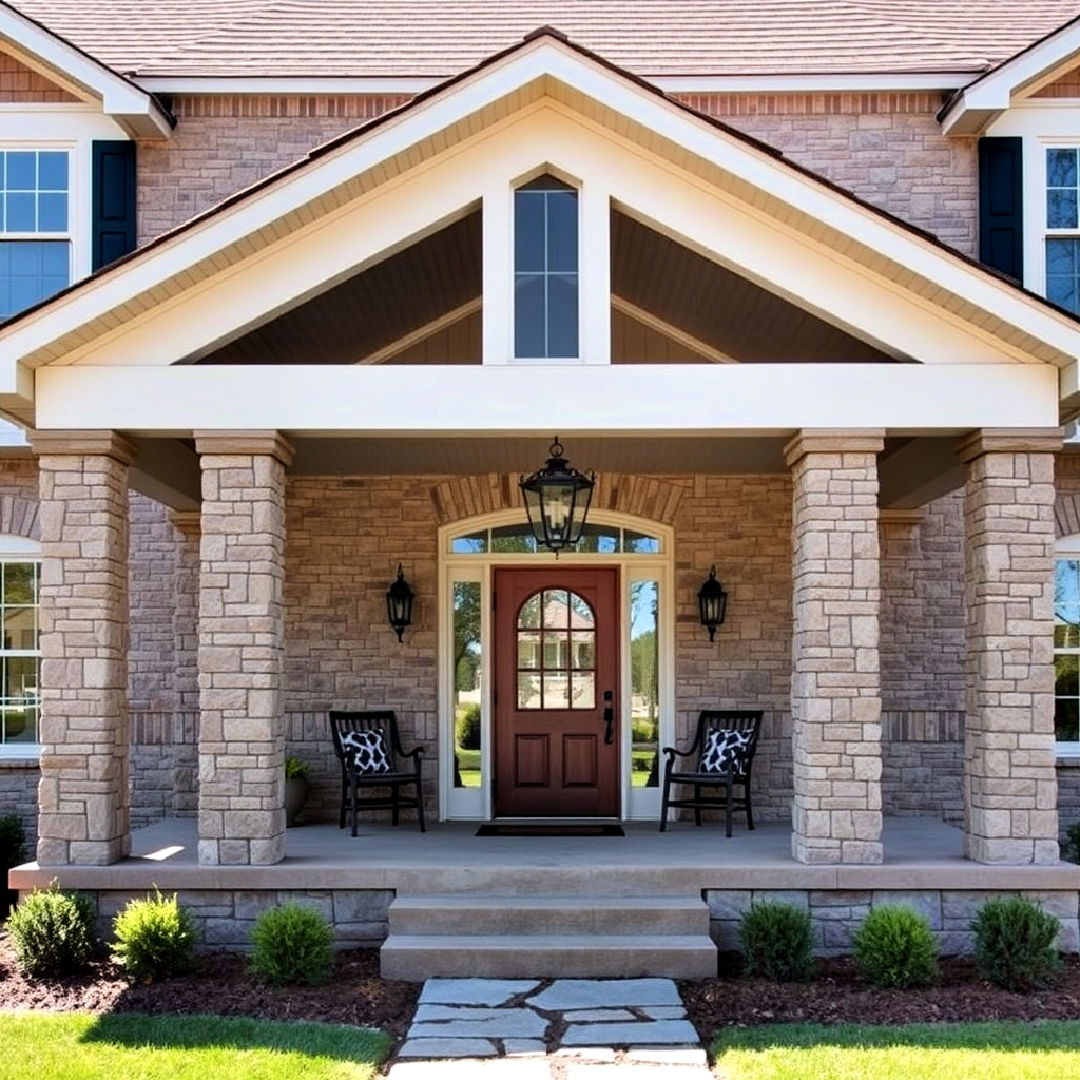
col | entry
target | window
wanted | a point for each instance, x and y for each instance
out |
(20, 657)
(545, 270)
(35, 238)
(519, 540)
(468, 685)
(1063, 227)
(556, 652)
(1067, 650)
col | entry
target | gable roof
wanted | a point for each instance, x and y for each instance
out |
(975, 106)
(75, 70)
(436, 38)
(1021, 323)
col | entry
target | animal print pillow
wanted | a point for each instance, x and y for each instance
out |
(365, 751)
(723, 750)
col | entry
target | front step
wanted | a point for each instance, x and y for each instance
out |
(539, 937)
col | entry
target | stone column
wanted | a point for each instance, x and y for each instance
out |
(242, 647)
(186, 663)
(84, 797)
(1010, 781)
(836, 677)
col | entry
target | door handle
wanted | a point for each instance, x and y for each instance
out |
(609, 718)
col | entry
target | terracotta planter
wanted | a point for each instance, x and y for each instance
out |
(296, 789)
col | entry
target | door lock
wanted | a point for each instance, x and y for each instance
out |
(609, 718)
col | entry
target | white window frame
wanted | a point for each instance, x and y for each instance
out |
(476, 804)
(20, 549)
(77, 234)
(1045, 232)
(1067, 547)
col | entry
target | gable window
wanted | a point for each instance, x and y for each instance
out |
(35, 237)
(1063, 227)
(545, 270)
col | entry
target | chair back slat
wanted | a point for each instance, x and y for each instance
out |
(344, 722)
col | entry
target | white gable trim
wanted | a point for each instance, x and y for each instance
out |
(81, 74)
(983, 100)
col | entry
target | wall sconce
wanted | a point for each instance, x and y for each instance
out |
(399, 600)
(712, 603)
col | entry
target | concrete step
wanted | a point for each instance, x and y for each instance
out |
(415, 957)
(528, 916)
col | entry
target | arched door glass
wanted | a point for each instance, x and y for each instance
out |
(556, 652)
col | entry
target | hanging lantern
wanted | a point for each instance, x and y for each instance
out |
(712, 604)
(557, 499)
(399, 601)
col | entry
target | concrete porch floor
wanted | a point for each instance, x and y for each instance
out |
(919, 854)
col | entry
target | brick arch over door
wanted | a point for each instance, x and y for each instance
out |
(473, 496)
(19, 517)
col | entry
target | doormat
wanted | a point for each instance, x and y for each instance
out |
(550, 830)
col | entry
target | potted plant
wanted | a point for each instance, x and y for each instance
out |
(296, 788)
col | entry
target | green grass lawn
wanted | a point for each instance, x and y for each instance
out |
(1048, 1050)
(75, 1046)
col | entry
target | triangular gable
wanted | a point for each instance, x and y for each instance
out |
(976, 312)
(21, 83)
(1024, 75)
(78, 75)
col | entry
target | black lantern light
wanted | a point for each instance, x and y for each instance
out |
(712, 603)
(399, 598)
(557, 499)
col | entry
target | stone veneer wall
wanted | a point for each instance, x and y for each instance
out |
(886, 148)
(837, 913)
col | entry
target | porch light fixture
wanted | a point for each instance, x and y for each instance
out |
(557, 499)
(399, 598)
(712, 603)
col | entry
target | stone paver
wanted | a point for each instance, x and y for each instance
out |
(474, 991)
(596, 993)
(635, 1026)
(640, 1033)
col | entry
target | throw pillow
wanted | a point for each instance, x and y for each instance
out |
(365, 751)
(723, 750)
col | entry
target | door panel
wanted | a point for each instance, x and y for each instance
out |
(556, 657)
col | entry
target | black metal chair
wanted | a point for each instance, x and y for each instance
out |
(737, 774)
(354, 778)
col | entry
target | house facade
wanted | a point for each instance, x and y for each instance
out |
(292, 304)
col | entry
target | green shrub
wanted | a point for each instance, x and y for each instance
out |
(1016, 943)
(777, 941)
(296, 768)
(468, 728)
(53, 932)
(12, 841)
(895, 947)
(154, 938)
(291, 944)
(1072, 843)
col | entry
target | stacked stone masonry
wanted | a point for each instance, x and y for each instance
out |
(241, 657)
(1011, 783)
(835, 681)
(84, 792)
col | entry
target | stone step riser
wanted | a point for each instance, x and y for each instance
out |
(528, 921)
(417, 958)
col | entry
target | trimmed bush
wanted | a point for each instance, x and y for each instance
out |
(1016, 943)
(53, 932)
(468, 728)
(895, 947)
(154, 938)
(291, 944)
(777, 941)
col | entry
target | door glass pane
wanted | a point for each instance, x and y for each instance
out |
(467, 685)
(528, 651)
(556, 690)
(644, 683)
(528, 696)
(557, 609)
(583, 650)
(564, 653)
(584, 690)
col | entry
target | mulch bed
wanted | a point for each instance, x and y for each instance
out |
(221, 985)
(838, 996)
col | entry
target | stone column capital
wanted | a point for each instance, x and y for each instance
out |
(270, 443)
(834, 441)
(88, 443)
(1009, 441)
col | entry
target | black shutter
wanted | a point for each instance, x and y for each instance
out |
(113, 216)
(1001, 204)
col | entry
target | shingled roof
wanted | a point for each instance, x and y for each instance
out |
(436, 38)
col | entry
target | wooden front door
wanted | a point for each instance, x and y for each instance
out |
(556, 692)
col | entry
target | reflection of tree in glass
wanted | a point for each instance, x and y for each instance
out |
(466, 635)
(1067, 603)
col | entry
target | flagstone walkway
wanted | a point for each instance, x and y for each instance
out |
(629, 1029)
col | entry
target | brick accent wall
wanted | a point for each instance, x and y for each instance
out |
(19, 83)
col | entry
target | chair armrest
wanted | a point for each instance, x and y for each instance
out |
(416, 753)
(672, 752)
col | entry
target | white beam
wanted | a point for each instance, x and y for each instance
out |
(667, 399)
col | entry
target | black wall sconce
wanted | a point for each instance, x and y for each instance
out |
(399, 601)
(712, 603)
